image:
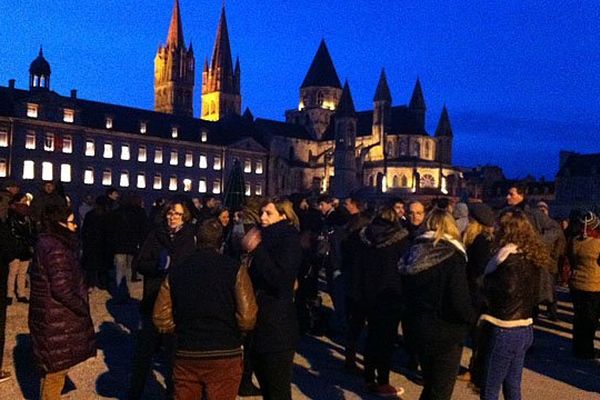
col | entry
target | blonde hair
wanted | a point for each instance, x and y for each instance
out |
(442, 223)
(285, 207)
(514, 227)
(474, 229)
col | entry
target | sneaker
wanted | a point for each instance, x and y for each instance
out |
(386, 390)
(4, 376)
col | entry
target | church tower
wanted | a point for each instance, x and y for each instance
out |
(220, 81)
(417, 106)
(39, 73)
(344, 180)
(174, 69)
(319, 94)
(444, 136)
(382, 103)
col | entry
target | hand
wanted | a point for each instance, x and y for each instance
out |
(251, 240)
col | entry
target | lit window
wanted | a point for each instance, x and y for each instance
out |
(108, 153)
(217, 163)
(142, 154)
(248, 190)
(68, 115)
(3, 139)
(187, 185)
(217, 187)
(247, 166)
(67, 144)
(141, 181)
(90, 148)
(174, 132)
(108, 122)
(49, 142)
(3, 168)
(258, 190)
(173, 183)
(158, 156)
(47, 174)
(28, 169)
(29, 140)
(174, 157)
(259, 167)
(32, 110)
(88, 176)
(204, 137)
(202, 185)
(124, 179)
(107, 177)
(143, 127)
(189, 159)
(157, 183)
(203, 163)
(125, 152)
(65, 173)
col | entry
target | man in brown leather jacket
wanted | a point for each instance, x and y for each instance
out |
(208, 301)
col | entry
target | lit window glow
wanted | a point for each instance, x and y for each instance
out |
(202, 186)
(247, 166)
(90, 148)
(28, 169)
(174, 132)
(108, 150)
(3, 139)
(216, 187)
(141, 180)
(67, 144)
(189, 159)
(248, 190)
(47, 174)
(106, 177)
(173, 183)
(187, 185)
(124, 179)
(143, 127)
(68, 116)
(32, 110)
(157, 183)
(65, 173)
(108, 122)
(3, 168)
(204, 137)
(258, 190)
(49, 142)
(203, 163)
(88, 176)
(259, 168)
(158, 157)
(142, 154)
(125, 155)
(174, 158)
(29, 140)
(217, 163)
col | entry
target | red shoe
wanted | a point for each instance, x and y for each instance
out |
(386, 390)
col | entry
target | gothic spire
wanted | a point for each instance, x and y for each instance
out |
(321, 71)
(221, 57)
(382, 93)
(175, 36)
(346, 105)
(444, 128)
(417, 101)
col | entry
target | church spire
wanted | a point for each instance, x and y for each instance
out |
(221, 58)
(444, 128)
(175, 36)
(417, 101)
(346, 104)
(321, 71)
(382, 93)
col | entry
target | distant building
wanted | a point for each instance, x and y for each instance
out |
(578, 182)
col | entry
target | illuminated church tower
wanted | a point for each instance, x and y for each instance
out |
(174, 69)
(220, 81)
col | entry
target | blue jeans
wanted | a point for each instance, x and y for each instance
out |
(504, 358)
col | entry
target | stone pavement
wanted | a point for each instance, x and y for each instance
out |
(551, 373)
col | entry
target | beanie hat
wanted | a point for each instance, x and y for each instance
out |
(482, 213)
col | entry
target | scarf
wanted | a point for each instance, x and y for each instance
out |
(424, 254)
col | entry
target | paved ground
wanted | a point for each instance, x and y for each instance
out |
(551, 373)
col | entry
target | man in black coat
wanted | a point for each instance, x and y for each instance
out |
(5, 257)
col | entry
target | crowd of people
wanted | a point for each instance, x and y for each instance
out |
(228, 293)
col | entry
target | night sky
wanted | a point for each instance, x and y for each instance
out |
(521, 79)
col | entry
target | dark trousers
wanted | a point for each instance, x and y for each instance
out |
(148, 343)
(274, 374)
(439, 373)
(3, 305)
(586, 306)
(216, 379)
(355, 320)
(382, 333)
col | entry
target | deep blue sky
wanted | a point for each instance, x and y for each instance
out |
(521, 79)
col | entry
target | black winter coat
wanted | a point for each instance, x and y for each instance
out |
(128, 228)
(274, 268)
(61, 328)
(156, 247)
(22, 231)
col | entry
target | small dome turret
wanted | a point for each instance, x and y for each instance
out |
(39, 73)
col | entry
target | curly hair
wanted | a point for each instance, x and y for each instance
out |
(514, 227)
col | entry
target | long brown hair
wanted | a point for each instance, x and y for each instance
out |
(514, 227)
(284, 207)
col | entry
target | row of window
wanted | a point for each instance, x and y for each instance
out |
(124, 178)
(69, 117)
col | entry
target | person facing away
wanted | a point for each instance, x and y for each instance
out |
(62, 332)
(208, 302)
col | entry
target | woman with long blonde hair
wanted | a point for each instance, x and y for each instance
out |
(511, 289)
(438, 306)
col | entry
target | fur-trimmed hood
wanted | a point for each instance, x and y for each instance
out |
(382, 233)
(424, 254)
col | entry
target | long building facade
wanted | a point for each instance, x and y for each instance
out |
(324, 144)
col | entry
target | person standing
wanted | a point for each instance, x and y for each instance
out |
(23, 235)
(162, 250)
(62, 332)
(511, 284)
(47, 197)
(276, 258)
(438, 306)
(207, 301)
(6, 254)
(584, 256)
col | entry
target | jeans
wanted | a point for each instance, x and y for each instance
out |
(123, 273)
(52, 385)
(217, 379)
(504, 358)
(17, 274)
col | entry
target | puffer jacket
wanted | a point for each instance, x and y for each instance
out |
(61, 328)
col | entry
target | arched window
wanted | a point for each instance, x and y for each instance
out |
(427, 181)
(403, 147)
(404, 181)
(213, 107)
(416, 152)
(395, 181)
(427, 149)
(320, 98)
(371, 180)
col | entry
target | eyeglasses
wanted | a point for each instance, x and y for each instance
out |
(174, 214)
